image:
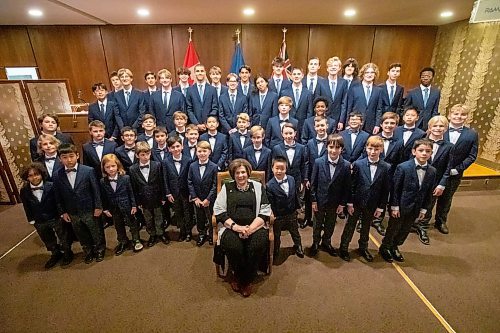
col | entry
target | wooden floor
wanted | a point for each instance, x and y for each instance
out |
(174, 288)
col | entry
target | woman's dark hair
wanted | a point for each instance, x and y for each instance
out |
(239, 162)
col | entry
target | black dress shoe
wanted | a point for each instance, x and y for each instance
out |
(108, 224)
(120, 248)
(344, 255)
(422, 235)
(365, 254)
(182, 238)
(201, 240)
(151, 241)
(189, 237)
(67, 258)
(443, 228)
(385, 254)
(54, 258)
(89, 257)
(379, 227)
(330, 249)
(210, 240)
(313, 250)
(396, 255)
(99, 256)
(299, 251)
(165, 239)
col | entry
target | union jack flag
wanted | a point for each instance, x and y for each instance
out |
(283, 54)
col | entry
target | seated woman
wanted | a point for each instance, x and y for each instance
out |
(243, 210)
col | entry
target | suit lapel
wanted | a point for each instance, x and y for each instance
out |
(78, 177)
(366, 171)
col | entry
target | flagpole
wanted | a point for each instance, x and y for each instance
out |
(284, 33)
(238, 35)
(190, 30)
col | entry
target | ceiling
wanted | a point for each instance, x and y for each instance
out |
(369, 12)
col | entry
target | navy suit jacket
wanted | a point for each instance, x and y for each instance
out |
(156, 153)
(299, 168)
(235, 149)
(133, 113)
(124, 158)
(264, 163)
(111, 119)
(356, 102)
(303, 109)
(416, 99)
(308, 131)
(227, 114)
(407, 194)
(368, 194)
(441, 162)
(464, 152)
(338, 103)
(416, 134)
(183, 91)
(397, 102)
(261, 115)
(39, 211)
(176, 182)
(148, 194)
(198, 110)
(64, 138)
(187, 151)
(313, 153)
(202, 188)
(122, 199)
(394, 154)
(285, 84)
(250, 89)
(273, 130)
(330, 192)
(91, 159)
(223, 89)
(163, 114)
(317, 90)
(147, 96)
(352, 153)
(282, 204)
(220, 151)
(57, 166)
(83, 198)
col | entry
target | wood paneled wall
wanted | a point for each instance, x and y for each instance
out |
(87, 54)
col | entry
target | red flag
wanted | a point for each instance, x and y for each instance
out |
(283, 54)
(191, 60)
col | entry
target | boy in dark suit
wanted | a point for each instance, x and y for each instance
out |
(231, 104)
(94, 150)
(215, 74)
(78, 197)
(354, 138)
(201, 99)
(408, 132)
(192, 135)
(245, 86)
(330, 190)
(392, 93)
(180, 121)
(274, 125)
(279, 82)
(160, 150)
(320, 108)
(312, 80)
(282, 193)
(263, 103)
(410, 198)
(240, 139)
(425, 98)
(105, 110)
(370, 184)
(48, 124)
(151, 83)
(47, 150)
(175, 174)
(184, 74)
(202, 184)
(350, 71)
(334, 88)
(130, 101)
(147, 182)
(115, 83)
(148, 126)
(302, 107)
(218, 143)
(126, 152)
(39, 204)
(465, 142)
(258, 155)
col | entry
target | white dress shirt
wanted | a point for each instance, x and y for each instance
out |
(72, 176)
(332, 168)
(145, 171)
(37, 193)
(284, 186)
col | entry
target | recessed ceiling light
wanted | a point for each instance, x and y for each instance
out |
(446, 14)
(349, 12)
(143, 12)
(35, 12)
(248, 11)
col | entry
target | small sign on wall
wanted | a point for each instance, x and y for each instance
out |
(485, 11)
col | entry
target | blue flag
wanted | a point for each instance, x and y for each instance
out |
(238, 60)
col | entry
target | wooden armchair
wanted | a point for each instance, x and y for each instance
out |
(260, 176)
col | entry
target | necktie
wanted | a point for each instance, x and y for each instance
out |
(287, 147)
(311, 85)
(426, 96)
(333, 88)
(245, 90)
(144, 166)
(103, 109)
(232, 100)
(200, 91)
(349, 83)
(262, 98)
(165, 99)
(297, 97)
(391, 95)
(284, 181)
(332, 164)
(70, 170)
(129, 149)
(113, 180)
(184, 91)
(50, 158)
(278, 85)
(127, 97)
(39, 188)
(100, 143)
(420, 167)
(459, 130)
(368, 94)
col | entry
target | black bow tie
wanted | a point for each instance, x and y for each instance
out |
(95, 144)
(256, 150)
(438, 142)
(284, 181)
(147, 137)
(39, 188)
(113, 180)
(334, 164)
(180, 133)
(177, 161)
(372, 163)
(420, 167)
(129, 149)
(459, 130)
(283, 121)
(70, 170)
(318, 141)
(212, 136)
(50, 158)
(144, 166)
(405, 129)
(159, 150)
(290, 147)
(204, 164)
(388, 139)
(192, 147)
(353, 132)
